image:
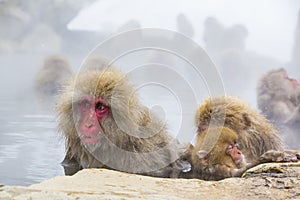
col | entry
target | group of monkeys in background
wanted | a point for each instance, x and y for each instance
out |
(106, 126)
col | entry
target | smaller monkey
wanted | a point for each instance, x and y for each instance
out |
(216, 158)
(217, 155)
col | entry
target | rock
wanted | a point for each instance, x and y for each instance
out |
(259, 183)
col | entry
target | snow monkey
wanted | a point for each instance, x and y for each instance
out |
(256, 135)
(278, 98)
(106, 126)
(217, 156)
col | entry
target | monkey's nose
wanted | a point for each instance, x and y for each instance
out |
(239, 152)
(88, 125)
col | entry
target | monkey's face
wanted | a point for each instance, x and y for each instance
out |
(91, 112)
(291, 81)
(281, 84)
(233, 151)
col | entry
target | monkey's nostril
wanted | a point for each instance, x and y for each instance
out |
(88, 125)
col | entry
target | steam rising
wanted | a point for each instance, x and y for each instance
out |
(244, 39)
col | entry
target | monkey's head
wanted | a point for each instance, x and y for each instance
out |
(224, 152)
(226, 149)
(225, 111)
(99, 103)
(278, 84)
(104, 124)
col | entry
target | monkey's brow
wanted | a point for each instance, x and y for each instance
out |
(77, 100)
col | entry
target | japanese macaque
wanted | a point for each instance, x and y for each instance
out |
(278, 98)
(256, 135)
(216, 155)
(55, 71)
(106, 126)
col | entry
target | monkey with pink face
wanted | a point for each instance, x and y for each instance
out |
(106, 126)
(216, 155)
(231, 138)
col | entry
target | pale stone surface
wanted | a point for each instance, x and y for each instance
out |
(267, 181)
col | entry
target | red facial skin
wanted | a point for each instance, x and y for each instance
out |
(236, 154)
(294, 82)
(92, 111)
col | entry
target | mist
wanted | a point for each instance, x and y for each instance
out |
(241, 40)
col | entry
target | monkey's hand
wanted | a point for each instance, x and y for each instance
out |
(279, 156)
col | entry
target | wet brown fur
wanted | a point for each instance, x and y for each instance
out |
(218, 165)
(135, 140)
(256, 134)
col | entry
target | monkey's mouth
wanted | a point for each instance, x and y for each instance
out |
(91, 138)
(239, 161)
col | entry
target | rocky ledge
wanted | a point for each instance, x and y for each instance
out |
(266, 181)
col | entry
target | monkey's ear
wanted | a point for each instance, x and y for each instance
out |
(203, 157)
(247, 120)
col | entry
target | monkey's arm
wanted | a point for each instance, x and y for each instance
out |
(270, 156)
(70, 165)
(219, 172)
(280, 156)
(239, 172)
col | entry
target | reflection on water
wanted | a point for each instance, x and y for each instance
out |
(30, 148)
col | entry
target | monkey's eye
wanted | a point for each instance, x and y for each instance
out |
(100, 106)
(101, 109)
(229, 148)
(85, 104)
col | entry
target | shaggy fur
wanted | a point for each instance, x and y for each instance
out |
(256, 134)
(134, 140)
(215, 164)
